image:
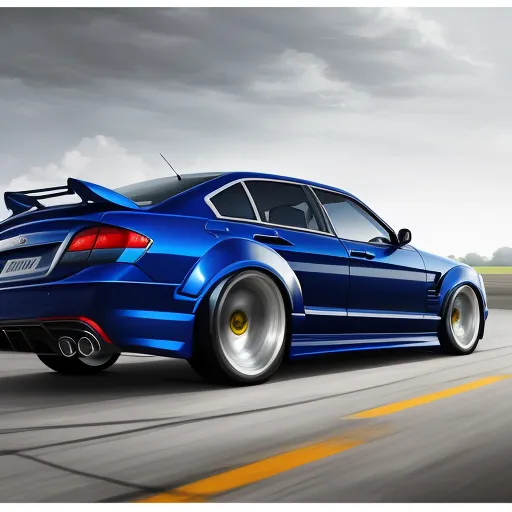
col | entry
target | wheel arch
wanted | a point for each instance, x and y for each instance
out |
(454, 279)
(234, 255)
(202, 303)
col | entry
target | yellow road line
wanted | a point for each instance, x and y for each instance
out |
(425, 399)
(261, 470)
(201, 490)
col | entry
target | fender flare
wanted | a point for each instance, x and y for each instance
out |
(233, 255)
(453, 279)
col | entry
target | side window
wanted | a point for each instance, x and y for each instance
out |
(233, 202)
(283, 203)
(350, 221)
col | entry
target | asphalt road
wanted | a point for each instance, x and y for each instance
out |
(150, 429)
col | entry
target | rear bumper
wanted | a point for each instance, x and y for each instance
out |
(127, 316)
(41, 336)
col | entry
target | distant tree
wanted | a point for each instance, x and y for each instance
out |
(502, 257)
(452, 257)
(474, 259)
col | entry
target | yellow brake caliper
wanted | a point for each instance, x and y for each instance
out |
(239, 323)
(455, 316)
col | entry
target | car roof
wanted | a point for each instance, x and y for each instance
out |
(221, 179)
(239, 175)
(229, 176)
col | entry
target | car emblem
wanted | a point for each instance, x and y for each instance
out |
(22, 239)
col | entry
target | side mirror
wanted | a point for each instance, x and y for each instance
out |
(404, 237)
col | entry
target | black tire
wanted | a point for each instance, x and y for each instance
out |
(210, 358)
(450, 341)
(75, 366)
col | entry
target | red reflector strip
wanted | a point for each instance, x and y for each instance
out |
(88, 321)
(96, 327)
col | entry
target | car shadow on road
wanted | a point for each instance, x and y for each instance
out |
(136, 376)
(129, 377)
(352, 361)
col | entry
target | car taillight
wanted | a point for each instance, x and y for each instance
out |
(116, 238)
(84, 241)
(107, 238)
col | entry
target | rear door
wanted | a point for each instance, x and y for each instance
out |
(387, 282)
(286, 217)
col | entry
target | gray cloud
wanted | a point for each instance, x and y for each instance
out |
(178, 74)
(372, 100)
(225, 50)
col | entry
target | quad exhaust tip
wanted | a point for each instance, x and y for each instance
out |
(67, 346)
(87, 347)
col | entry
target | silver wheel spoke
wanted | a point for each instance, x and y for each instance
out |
(250, 322)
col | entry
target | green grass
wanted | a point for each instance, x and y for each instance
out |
(493, 270)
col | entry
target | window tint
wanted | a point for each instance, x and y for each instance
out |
(350, 221)
(282, 203)
(151, 192)
(233, 202)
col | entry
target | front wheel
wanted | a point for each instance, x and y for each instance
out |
(241, 330)
(460, 324)
(79, 365)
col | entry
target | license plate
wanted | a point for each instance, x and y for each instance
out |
(20, 266)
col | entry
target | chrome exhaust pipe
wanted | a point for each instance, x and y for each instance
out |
(87, 346)
(67, 346)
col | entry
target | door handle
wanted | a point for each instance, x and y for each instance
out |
(271, 239)
(362, 254)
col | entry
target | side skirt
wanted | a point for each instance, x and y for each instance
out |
(312, 344)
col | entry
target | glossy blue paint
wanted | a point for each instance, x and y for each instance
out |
(394, 280)
(146, 300)
(155, 315)
(96, 193)
(308, 351)
(457, 276)
(177, 242)
(19, 203)
(309, 264)
(158, 345)
(230, 255)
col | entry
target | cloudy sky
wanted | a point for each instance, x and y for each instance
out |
(410, 109)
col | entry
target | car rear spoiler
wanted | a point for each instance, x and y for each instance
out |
(24, 200)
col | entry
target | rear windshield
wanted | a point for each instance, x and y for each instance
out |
(151, 192)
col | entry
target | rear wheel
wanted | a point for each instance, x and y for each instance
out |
(241, 330)
(79, 365)
(461, 322)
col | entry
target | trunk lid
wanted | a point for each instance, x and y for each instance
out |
(34, 238)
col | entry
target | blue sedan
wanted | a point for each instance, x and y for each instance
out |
(231, 271)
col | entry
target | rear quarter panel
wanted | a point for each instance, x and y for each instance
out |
(230, 255)
(186, 254)
(177, 242)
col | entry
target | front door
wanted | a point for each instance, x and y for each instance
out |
(388, 283)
